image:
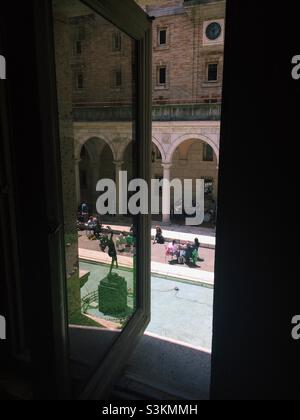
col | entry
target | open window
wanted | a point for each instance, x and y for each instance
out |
(96, 310)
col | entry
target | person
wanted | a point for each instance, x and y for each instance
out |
(133, 231)
(97, 229)
(196, 244)
(172, 249)
(83, 212)
(159, 239)
(189, 252)
(196, 247)
(84, 208)
(91, 226)
(112, 252)
(121, 242)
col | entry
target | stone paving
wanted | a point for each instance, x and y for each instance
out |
(203, 273)
(206, 236)
(178, 309)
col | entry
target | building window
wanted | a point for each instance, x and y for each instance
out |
(162, 75)
(80, 81)
(162, 37)
(80, 37)
(117, 78)
(78, 47)
(212, 72)
(116, 41)
(81, 33)
(208, 153)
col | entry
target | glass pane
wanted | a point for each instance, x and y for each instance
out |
(96, 100)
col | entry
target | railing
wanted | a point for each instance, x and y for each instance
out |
(186, 112)
(194, 112)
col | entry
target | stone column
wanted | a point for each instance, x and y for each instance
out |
(166, 196)
(216, 184)
(118, 168)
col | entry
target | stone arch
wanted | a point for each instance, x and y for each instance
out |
(180, 140)
(83, 142)
(160, 148)
(121, 147)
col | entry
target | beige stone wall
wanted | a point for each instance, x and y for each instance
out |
(64, 91)
(185, 55)
(98, 62)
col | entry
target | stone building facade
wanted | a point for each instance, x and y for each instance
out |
(188, 42)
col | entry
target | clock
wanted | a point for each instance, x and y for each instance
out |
(213, 31)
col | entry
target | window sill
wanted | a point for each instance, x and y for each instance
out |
(161, 88)
(166, 369)
(216, 83)
(162, 48)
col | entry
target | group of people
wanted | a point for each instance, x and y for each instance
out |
(184, 254)
(180, 253)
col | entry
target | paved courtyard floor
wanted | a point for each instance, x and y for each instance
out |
(182, 296)
(185, 315)
(179, 310)
(160, 263)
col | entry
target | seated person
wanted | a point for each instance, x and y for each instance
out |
(172, 249)
(188, 253)
(121, 242)
(159, 239)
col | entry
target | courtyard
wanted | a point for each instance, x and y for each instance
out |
(181, 295)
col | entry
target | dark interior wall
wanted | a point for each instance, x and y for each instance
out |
(257, 280)
(29, 166)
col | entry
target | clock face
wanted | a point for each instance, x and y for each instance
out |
(213, 31)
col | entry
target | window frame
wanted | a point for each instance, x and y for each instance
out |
(131, 19)
(78, 88)
(208, 72)
(158, 84)
(159, 31)
(116, 41)
(116, 72)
